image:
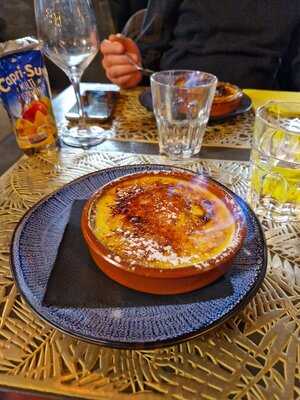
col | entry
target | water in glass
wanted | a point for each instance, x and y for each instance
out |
(181, 103)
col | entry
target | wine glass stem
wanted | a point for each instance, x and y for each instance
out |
(75, 80)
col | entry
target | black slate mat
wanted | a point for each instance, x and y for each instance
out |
(76, 281)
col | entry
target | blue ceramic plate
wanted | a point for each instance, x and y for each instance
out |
(244, 106)
(142, 324)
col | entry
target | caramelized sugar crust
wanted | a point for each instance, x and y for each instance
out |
(227, 99)
(226, 92)
(162, 221)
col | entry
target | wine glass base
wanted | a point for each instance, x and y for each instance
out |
(84, 138)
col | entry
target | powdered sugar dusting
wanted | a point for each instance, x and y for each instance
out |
(149, 249)
(171, 224)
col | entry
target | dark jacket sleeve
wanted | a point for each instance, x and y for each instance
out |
(157, 30)
(289, 73)
(122, 10)
(295, 60)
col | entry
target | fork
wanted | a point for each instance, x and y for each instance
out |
(144, 71)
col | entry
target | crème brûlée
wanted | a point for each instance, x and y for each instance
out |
(226, 100)
(165, 221)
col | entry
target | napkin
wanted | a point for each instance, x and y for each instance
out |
(76, 281)
(260, 97)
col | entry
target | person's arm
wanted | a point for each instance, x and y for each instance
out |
(289, 73)
(119, 12)
(295, 59)
(157, 30)
(154, 38)
(122, 10)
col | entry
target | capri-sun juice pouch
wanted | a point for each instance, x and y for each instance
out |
(25, 94)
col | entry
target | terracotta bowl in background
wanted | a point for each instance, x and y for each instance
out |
(227, 99)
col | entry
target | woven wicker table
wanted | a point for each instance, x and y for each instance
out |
(255, 355)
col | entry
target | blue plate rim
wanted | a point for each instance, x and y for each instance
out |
(141, 345)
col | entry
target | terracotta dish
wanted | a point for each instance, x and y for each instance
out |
(227, 99)
(163, 232)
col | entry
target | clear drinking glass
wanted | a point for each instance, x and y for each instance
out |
(68, 32)
(182, 101)
(275, 162)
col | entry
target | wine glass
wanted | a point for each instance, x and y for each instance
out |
(67, 30)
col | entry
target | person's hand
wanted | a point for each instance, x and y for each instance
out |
(119, 54)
